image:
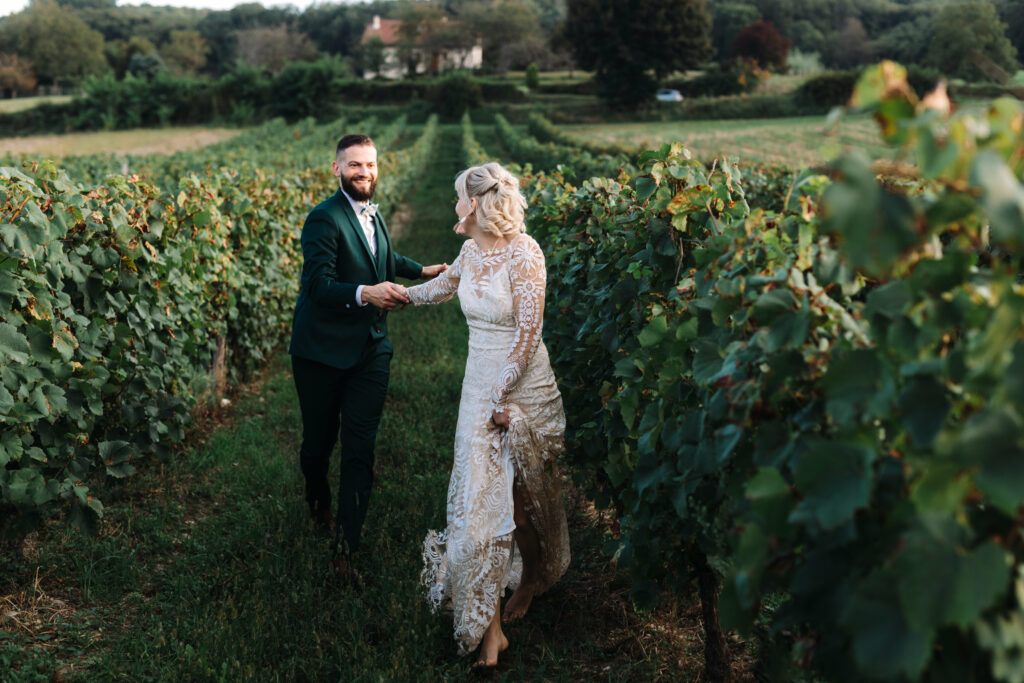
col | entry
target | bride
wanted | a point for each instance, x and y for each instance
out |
(506, 525)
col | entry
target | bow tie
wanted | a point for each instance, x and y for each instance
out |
(369, 209)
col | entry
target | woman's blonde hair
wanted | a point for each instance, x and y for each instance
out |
(500, 203)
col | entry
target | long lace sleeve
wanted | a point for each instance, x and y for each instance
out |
(442, 288)
(529, 279)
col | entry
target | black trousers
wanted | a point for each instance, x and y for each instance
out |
(347, 404)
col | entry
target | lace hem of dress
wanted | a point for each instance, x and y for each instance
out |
(466, 577)
(467, 587)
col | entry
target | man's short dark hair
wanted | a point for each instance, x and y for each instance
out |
(351, 141)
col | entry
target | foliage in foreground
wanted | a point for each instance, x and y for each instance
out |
(824, 404)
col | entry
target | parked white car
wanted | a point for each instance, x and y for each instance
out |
(669, 95)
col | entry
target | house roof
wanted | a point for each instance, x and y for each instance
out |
(389, 31)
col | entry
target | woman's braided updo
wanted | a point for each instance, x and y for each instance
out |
(500, 203)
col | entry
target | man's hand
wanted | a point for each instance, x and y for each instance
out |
(433, 271)
(385, 296)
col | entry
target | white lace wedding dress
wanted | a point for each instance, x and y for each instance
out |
(502, 296)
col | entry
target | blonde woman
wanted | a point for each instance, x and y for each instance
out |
(505, 522)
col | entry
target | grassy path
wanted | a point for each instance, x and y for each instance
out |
(207, 568)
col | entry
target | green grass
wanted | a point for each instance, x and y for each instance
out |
(799, 141)
(22, 103)
(207, 568)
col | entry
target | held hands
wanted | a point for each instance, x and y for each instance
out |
(500, 420)
(386, 296)
(433, 271)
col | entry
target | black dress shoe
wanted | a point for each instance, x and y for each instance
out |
(341, 567)
(323, 521)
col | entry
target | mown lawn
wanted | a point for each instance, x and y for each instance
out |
(206, 567)
(799, 141)
(17, 104)
(139, 142)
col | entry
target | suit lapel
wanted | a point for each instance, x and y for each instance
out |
(354, 226)
(383, 247)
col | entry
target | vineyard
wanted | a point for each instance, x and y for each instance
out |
(799, 394)
(124, 301)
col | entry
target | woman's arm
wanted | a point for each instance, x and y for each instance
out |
(529, 279)
(442, 288)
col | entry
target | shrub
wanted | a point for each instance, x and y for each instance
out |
(454, 94)
(532, 76)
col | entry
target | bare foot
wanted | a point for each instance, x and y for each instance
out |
(519, 603)
(490, 649)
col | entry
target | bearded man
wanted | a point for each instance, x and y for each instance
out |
(340, 350)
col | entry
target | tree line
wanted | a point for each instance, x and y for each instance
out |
(632, 48)
(61, 42)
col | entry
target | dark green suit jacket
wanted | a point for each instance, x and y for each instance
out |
(329, 326)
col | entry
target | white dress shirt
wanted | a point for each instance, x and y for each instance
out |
(369, 229)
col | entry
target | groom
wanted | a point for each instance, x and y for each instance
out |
(340, 351)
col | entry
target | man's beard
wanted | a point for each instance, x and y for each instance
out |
(352, 191)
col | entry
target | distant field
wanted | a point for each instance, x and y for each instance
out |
(141, 141)
(793, 141)
(23, 103)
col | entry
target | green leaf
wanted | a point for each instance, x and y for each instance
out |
(876, 82)
(13, 344)
(654, 332)
(707, 361)
(773, 303)
(856, 383)
(1002, 198)
(889, 300)
(11, 447)
(875, 226)
(990, 438)
(201, 219)
(939, 586)
(835, 480)
(645, 187)
(23, 486)
(924, 407)
(6, 402)
(884, 646)
(770, 500)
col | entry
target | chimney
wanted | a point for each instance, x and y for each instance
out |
(376, 22)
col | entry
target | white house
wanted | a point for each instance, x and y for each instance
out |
(388, 31)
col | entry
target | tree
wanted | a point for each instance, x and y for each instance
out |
(373, 56)
(763, 43)
(272, 47)
(220, 30)
(120, 53)
(906, 42)
(1012, 13)
(185, 52)
(56, 41)
(15, 75)
(967, 37)
(806, 36)
(499, 25)
(849, 47)
(146, 66)
(632, 45)
(727, 19)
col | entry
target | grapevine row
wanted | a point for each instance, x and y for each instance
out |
(117, 297)
(824, 404)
